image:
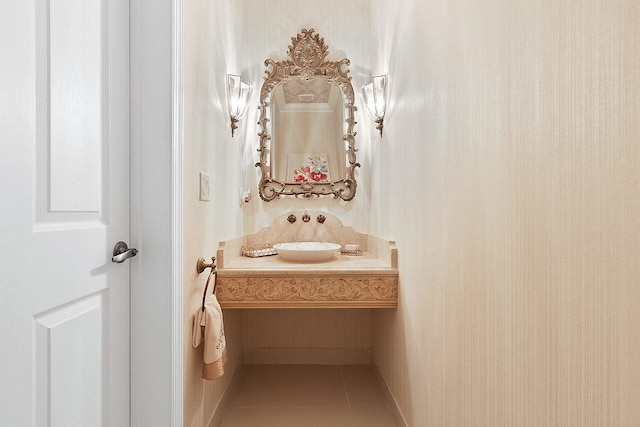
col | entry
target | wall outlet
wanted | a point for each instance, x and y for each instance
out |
(205, 189)
(245, 197)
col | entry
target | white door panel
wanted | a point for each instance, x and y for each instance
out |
(68, 372)
(73, 34)
(64, 194)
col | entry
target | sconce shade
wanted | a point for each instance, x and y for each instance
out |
(374, 95)
(237, 99)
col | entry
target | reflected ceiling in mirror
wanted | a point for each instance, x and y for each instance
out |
(308, 125)
(307, 141)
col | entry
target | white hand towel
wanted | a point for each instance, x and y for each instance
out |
(209, 326)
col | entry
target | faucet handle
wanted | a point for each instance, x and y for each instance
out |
(321, 218)
(291, 218)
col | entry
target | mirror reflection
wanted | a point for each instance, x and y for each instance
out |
(307, 141)
(308, 130)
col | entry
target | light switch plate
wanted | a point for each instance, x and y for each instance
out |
(205, 190)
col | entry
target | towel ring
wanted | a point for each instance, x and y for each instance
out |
(200, 267)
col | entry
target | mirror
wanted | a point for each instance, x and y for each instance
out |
(307, 141)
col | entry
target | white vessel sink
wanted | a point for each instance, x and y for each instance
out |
(306, 251)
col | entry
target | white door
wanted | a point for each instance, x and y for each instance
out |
(64, 203)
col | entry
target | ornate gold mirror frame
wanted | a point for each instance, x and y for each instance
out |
(307, 53)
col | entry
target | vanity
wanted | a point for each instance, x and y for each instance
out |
(307, 150)
(369, 280)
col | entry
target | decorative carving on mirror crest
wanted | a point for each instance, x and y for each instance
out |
(308, 53)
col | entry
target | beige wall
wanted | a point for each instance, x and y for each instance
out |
(308, 328)
(209, 53)
(508, 175)
(268, 28)
(513, 131)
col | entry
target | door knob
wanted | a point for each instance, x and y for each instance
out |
(122, 252)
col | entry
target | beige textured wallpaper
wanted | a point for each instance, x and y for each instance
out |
(508, 175)
(267, 30)
(208, 148)
(513, 131)
(236, 37)
(308, 328)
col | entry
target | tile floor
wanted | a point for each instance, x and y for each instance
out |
(308, 396)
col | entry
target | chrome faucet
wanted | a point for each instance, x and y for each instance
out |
(306, 217)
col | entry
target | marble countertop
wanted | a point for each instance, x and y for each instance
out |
(345, 281)
(345, 264)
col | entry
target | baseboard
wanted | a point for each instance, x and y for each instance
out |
(306, 356)
(223, 405)
(391, 401)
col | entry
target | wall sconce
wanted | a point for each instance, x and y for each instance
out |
(374, 95)
(237, 99)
